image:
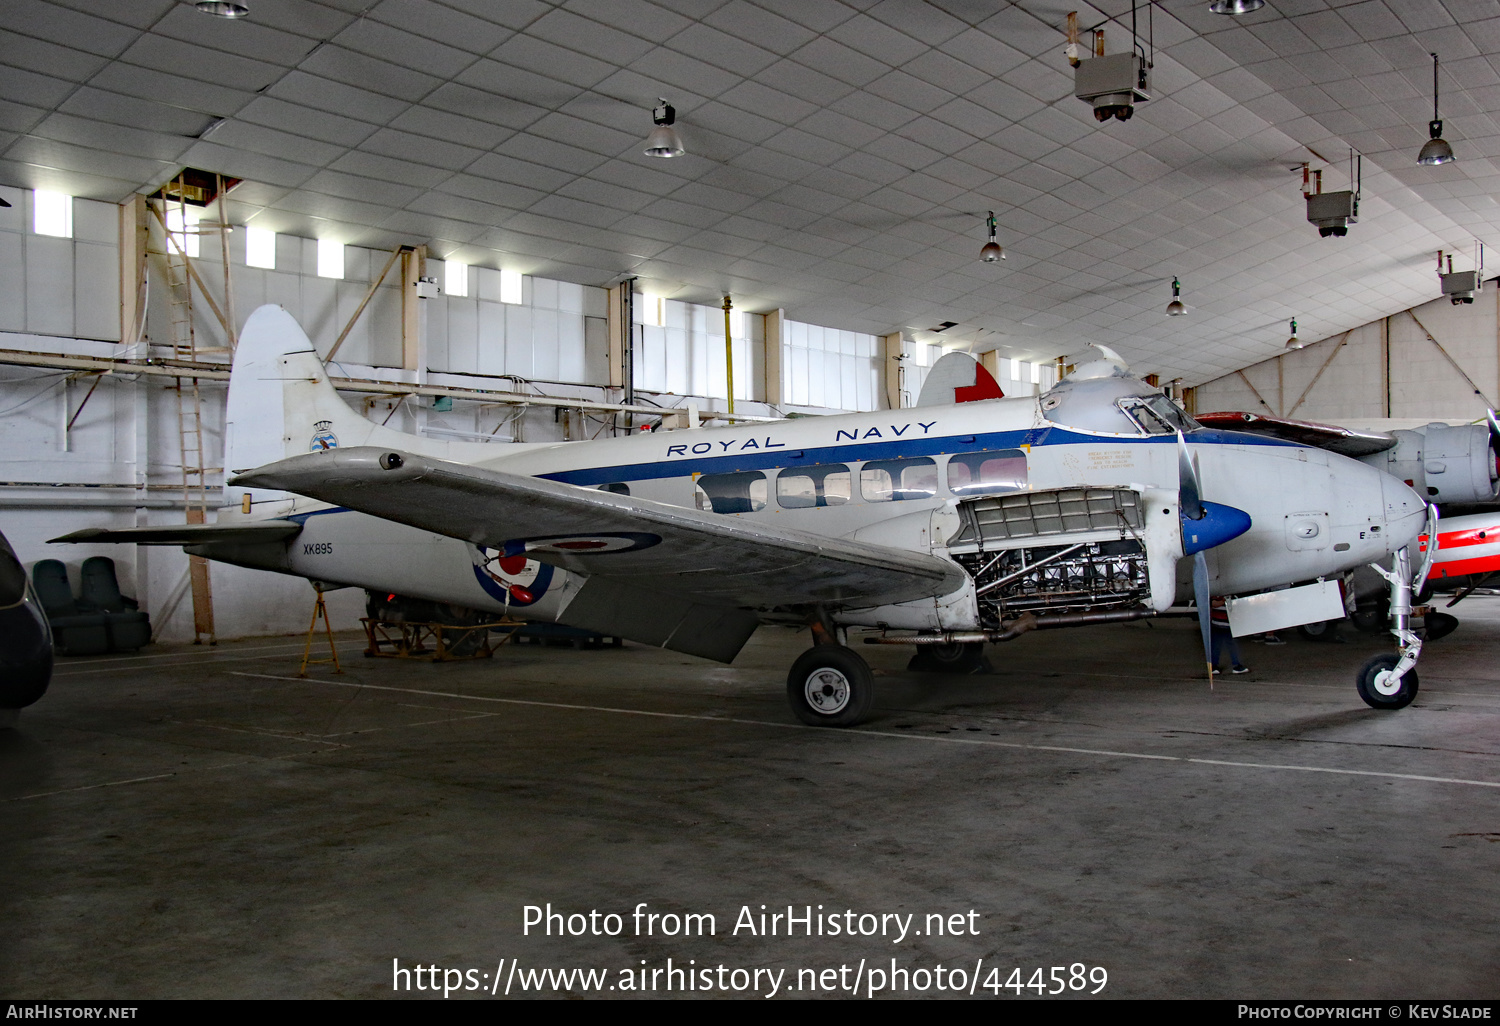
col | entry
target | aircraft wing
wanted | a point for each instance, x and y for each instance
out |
(1344, 441)
(188, 534)
(655, 549)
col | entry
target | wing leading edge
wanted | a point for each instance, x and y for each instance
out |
(189, 534)
(656, 573)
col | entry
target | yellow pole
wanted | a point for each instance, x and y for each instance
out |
(729, 353)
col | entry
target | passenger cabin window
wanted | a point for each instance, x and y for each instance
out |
(828, 484)
(981, 473)
(732, 493)
(894, 480)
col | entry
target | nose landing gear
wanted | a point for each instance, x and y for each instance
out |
(1390, 681)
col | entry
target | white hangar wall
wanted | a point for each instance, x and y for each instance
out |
(1439, 361)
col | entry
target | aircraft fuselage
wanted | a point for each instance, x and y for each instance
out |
(1314, 514)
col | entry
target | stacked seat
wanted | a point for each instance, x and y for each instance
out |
(74, 630)
(129, 628)
(102, 620)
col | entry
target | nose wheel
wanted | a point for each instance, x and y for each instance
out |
(830, 686)
(1390, 681)
(1381, 688)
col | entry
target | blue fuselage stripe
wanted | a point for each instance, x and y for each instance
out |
(857, 452)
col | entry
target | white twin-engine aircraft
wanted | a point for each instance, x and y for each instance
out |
(945, 526)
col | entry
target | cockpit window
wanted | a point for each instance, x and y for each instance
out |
(1171, 413)
(1156, 415)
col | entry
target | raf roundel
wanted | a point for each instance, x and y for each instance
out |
(512, 579)
(585, 544)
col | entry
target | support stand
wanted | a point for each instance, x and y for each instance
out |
(319, 610)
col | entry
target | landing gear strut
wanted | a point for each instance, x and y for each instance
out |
(1390, 681)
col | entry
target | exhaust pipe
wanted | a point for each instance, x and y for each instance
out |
(1021, 625)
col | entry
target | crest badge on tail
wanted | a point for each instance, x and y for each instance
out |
(323, 437)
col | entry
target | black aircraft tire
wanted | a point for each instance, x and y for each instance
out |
(959, 657)
(1325, 631)
(830, 686)
(25, 656)
(1370, 672)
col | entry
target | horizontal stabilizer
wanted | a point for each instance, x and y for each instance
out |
(188, 534)
(1341, 440)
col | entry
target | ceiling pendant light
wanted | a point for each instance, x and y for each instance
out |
(1435, 151)
(1236, 6)
(1175, 307)
(992, 250)
(221, 9)
(1294, 342)
(663, 140)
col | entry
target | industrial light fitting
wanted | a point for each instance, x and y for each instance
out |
(1294, 342)
(1175, 307)
(222, 9)
(1113, 84)
(1435, 151)
(992, 250)
(1460, 286)
(1333, 212)
(663, 140)
(1236, 6)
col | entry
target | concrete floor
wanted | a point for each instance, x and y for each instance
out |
(199, 823)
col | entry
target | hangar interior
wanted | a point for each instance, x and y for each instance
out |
(452, 199)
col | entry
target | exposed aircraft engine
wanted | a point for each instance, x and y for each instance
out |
(1058, 578)
(1444, 464)
(1046, 553)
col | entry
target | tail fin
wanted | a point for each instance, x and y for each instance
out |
(281, 403)
(958, 378)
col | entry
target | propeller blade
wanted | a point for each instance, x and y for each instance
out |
(1189, 492)
(1203, 598)
(1489, 415)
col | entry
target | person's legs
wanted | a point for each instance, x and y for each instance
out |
(1234, 655)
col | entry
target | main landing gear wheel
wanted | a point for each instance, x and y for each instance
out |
(1321, 630)
(1379, 690)
(830, 686)
(957, 657)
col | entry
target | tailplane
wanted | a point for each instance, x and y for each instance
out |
(281, 403)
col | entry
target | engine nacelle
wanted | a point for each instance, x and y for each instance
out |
(1444, 464)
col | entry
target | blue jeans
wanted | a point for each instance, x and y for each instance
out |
(1223, 639)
